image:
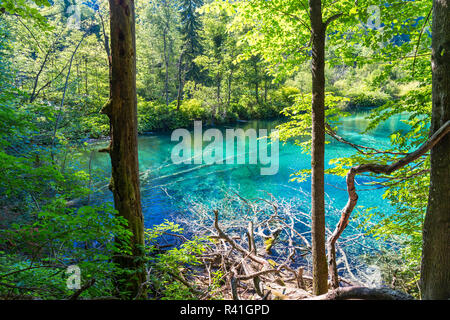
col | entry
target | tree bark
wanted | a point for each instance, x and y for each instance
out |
(122, 112)
(435, 268)
(320, 272)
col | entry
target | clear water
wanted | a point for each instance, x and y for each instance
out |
(166, 186)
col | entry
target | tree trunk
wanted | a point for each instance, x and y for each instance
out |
(122, 112)
(86, 75)
(320, 272)
(265, 89)
(107, 50)
(166, 66)
(255, 66)
(229, 82)
(181, 76)
(216, 110)
(435, 268)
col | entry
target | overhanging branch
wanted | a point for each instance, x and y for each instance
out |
(353, 196)
(332, 18)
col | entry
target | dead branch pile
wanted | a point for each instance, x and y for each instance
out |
(258, 248)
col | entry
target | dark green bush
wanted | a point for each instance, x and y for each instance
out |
(156, 116)
(367, 100)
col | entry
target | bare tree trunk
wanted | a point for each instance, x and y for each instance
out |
(86, 75)
(255, 65)
(229, 83)
(166, 65)
(320, 272)
(219, 82)
(435, 268)
(122, 112)
(106, 47)
(266, 88)
(181, 75)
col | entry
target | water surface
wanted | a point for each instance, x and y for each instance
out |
(166, 186)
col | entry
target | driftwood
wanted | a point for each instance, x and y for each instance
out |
(234, 244)
(236, 265)
(353, 196)
(246, 268)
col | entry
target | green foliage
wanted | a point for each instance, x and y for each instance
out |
(230, 60)
(367, 99)
(285, 95)
(194, 109)
(277, 100)
(25, 9)
(298, 128)
(174, 264)
(156, 116)
(39, 252)
(190, 27)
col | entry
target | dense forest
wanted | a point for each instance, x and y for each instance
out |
(342, 191)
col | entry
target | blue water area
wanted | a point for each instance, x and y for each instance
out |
(166, 186)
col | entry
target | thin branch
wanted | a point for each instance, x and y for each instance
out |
(33, 95)
(332, 18)
(293, 16)
(58, 118)
(358, 147)
(418, 40)
(28, 29)
(236, 246)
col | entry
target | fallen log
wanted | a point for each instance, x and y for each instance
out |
(362, 293)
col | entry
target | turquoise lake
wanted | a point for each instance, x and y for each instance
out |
(165, 186)
(169, 191)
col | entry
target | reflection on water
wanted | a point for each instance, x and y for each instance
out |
(166, 186)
